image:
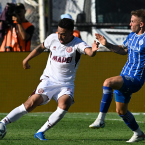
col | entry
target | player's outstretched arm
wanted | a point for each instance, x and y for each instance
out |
(38, 50)
(120, 49)
(92, 51)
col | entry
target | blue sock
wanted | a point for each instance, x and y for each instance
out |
(130, 121)
(106, 99)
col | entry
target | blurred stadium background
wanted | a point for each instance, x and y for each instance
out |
(110, 18)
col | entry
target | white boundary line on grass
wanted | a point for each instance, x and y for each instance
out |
(95, 118)
(85, 117)
(122, 120)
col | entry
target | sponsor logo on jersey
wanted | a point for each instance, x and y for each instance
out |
(62, 59)
(40, 91)
(69, 49)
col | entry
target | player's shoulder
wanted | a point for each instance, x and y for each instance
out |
(79, 43)
(77, 40)
(52, 36)
(131, 34)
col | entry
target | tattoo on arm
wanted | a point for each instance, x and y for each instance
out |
(39, 48)
(120, 49)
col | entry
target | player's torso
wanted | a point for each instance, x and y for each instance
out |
(136, 56)
(63, 61)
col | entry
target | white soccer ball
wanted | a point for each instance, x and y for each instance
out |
(3, 130)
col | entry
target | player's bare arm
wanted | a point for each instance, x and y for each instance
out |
(38, 50)
(92, 51)
(120, 49)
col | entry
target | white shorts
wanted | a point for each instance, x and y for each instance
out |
(50, 90)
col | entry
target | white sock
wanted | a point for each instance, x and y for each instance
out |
(138, 132)
(15, 114)
(53, 119)
(101, 116)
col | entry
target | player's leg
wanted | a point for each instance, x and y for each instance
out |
(108, 86)
(128, 118)
(23, 109)
(122, 98)
(64, 102)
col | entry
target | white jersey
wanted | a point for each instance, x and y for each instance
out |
(63, 59)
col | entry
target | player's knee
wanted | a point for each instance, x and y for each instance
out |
(28, 106)
(107, 82)
(64, 103)
(32, 103)
(64, 106)
(120, 112)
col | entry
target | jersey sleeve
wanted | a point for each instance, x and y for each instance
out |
(47, 41)
(125, 43)
(81, 47)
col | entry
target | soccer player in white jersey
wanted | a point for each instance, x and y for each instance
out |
(57, 80)
(131, 78)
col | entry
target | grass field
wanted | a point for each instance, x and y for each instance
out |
(71, 130)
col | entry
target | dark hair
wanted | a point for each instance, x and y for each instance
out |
(66, 23)
(139, 13)
(20, 6)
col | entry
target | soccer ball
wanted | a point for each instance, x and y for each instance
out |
(3, 130)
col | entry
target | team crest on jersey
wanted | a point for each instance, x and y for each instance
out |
(141, 42)
(69, 49)
(40, 91)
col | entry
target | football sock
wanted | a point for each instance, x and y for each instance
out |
(101, 116)
(15, 114)
(130, 121)
(138, 132)
(106, 99)
(53, 119)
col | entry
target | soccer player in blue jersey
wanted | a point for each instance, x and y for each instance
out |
(131, 78)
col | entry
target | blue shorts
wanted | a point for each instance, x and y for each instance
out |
(130, 85)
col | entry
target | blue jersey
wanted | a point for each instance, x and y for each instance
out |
(135, 65)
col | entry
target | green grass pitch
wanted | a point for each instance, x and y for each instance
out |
(73, 129)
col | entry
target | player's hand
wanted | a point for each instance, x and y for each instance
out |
(101, 39)
(26, 64)
(16, 18)
(95, 46)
